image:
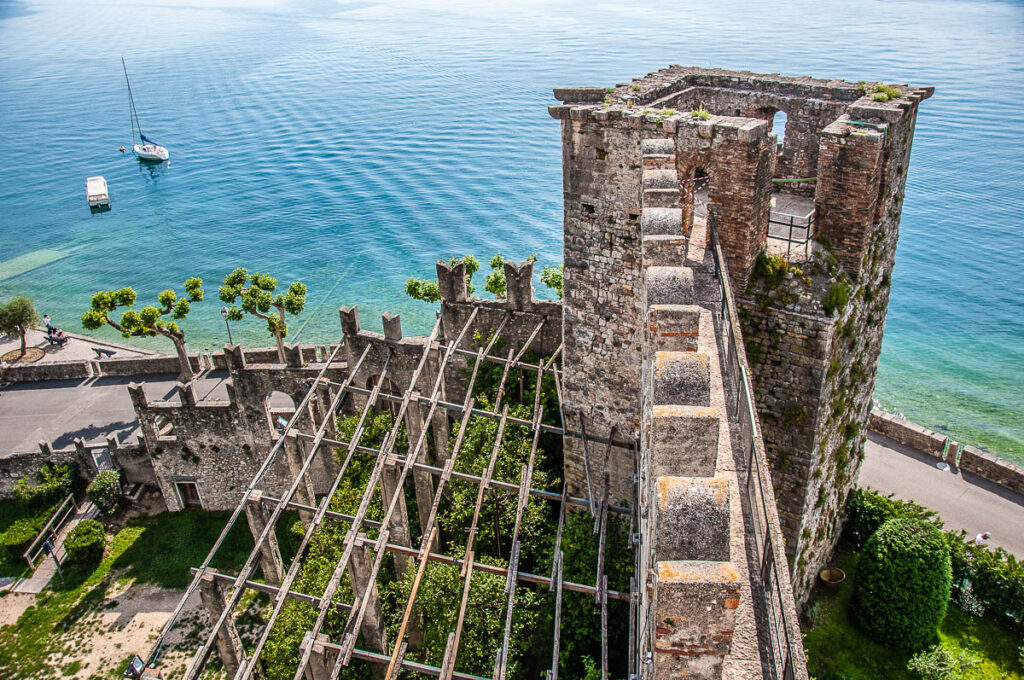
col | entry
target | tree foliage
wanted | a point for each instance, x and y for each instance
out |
(903, 584)
(17, 316)
(256, 294)
(149, 321)
(552, 277)
(495, 284)
(994, 577)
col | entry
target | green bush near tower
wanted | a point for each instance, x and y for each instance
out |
(904, 583)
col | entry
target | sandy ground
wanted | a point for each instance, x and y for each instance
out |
(13, 605)
(126, 622)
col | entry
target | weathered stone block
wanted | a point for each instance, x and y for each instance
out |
(684, 441)
(669, 285)
(691, 518)
(682, 378)
(694, 617)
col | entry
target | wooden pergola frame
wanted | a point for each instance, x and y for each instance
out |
(312, 444)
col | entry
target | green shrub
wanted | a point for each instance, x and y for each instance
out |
(18, 536)
(836, 298)
(939, 663)
(867, 510)
(770, 269)
(84, 543)
(105, 491)
(903, 583)
(54, 485)
(994, 577)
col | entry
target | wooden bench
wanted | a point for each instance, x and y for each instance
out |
(101, 353)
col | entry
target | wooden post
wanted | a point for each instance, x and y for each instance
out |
(229, 644)
(270, 553)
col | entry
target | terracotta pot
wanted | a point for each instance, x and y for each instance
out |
(832, 577)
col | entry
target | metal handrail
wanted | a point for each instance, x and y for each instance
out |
(785, 649)
(50, 529)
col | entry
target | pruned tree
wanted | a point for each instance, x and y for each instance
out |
(149, 321)
(428, 291)
(495, 284)
(255, 294)
(17, 316)
(552, 277)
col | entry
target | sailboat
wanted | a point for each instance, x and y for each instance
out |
(146, 149)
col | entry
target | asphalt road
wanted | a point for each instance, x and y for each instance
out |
(63, 410)
(963, 500)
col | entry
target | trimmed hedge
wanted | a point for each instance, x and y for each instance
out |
(105, 491)
(18, 536)
(84, 543)
(994, 577)
(903, 584)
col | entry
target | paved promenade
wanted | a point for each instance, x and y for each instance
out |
(963, 500)
(63, 410)
(78, 347)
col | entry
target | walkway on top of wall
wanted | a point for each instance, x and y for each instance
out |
(963, 500)
(94, 408)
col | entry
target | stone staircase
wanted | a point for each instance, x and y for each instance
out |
(697, 596)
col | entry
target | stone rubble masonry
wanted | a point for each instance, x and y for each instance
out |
(814, 372)
(695, 605)
(972, 459)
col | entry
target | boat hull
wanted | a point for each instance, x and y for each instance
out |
(151, 152)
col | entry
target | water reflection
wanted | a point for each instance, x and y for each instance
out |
(151, 171)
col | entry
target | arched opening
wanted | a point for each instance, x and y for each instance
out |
(779, 126)
(280, 408)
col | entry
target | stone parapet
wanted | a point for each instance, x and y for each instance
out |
(968, 458)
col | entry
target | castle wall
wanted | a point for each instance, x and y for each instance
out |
(814, 371)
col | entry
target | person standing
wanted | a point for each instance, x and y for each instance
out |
(48, 324)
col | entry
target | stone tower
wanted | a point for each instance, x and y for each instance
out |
(807, 217)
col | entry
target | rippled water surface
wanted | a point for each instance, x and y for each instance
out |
(350, 144)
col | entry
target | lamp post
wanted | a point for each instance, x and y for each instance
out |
(224, 313)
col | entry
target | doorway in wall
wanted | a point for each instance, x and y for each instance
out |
(188, 494)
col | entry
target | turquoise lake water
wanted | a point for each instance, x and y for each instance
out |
(350, 144)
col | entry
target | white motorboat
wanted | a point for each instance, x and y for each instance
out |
(96, 192)
(146, 149)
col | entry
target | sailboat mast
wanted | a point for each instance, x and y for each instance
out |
(132, 113)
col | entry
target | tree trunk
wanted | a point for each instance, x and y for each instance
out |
(280, 346)
(186, 375)
(23, 347)
(279, 336)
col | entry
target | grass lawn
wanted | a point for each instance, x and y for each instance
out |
(837, 650)
(157, 549)
(10, 512)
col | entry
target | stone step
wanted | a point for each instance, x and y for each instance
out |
(673, 328)
(664, 250)
(661, 221)
(669, 285)
(681, 378)
(657, 147)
